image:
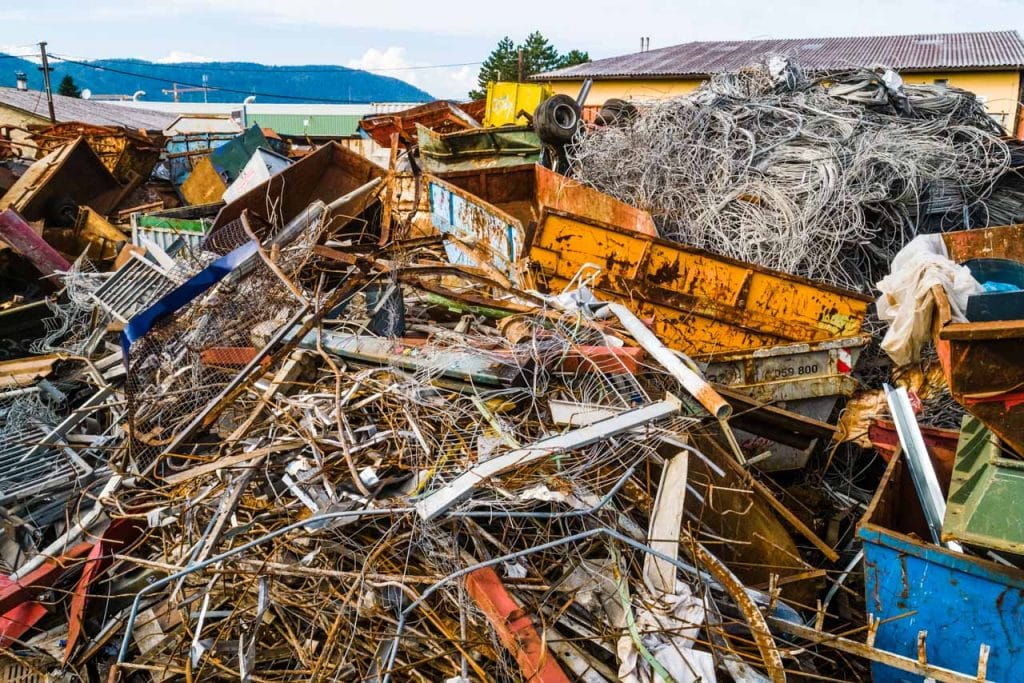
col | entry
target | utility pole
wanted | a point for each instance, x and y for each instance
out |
(46, 80)
(519, 67)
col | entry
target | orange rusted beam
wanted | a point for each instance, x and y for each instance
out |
(514, 627)
(609, 359)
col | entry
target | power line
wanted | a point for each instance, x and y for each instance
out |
(211, 87)
(270, 67)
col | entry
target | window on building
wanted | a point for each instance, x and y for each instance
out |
(944, 82)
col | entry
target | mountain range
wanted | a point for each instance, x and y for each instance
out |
(227, 81)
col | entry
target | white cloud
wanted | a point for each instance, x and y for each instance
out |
(388, 62)
(23, 51)
(607, 27)
(178, 56)
(442, 82)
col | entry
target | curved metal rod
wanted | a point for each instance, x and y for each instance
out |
(758, 625)
(125, 644)
(327, 516)
(605, 499)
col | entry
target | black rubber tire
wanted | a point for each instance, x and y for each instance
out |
(61, 212)
(556, 119)
(615, 112)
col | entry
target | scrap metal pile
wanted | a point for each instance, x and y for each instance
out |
(354, 421)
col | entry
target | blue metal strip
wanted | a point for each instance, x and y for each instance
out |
(170, 303)
(940, 557)
(961, 601)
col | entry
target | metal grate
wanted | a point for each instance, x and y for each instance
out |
(16, 672)
(135, 286)
(36, 457)
(27, 466)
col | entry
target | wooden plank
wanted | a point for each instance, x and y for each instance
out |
(989, 330)
(666, 519)
(874, 654)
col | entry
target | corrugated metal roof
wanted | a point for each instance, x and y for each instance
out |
(924, 52)
(330, 125)
(85, 111)
(184, 125)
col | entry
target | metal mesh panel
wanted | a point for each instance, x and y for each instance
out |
(189, 358)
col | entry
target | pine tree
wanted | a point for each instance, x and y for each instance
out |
(68, 88)
(572, 58)
(500, 65)
(539, 55)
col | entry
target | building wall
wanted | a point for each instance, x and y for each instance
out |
(313, 125)
(9, 116)
(627, 89)
(1001, 89)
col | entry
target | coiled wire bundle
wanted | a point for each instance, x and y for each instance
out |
(823, 177)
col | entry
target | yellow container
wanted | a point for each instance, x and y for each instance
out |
(204, 184)
(505, 101)
(700, 303)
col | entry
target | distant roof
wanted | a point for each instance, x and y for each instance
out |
(85, 111)
(318, 125)
(924, 52)
(197, 123)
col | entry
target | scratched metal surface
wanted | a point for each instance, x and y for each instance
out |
(960, 601)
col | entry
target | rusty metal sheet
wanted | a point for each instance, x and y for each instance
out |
(701, 303)
(736, 511)
(982, 361)
(72, 171)
(440, 116)
(477, 233)
(92, 235)
(986, 376)
(1000, 242)
(204, 184)
(514, 627)
(478, 148)
(327, 174)
(524, 190)
(489, 211)
(129, 155)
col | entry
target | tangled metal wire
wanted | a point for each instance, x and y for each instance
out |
(824, 177)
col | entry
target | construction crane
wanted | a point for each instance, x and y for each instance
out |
(176, 91)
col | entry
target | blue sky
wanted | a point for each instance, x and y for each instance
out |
(390, 36)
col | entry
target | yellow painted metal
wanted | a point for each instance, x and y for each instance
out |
(700, 303)
(104, 240)
(505, 100)
(92, 235)
(204, 184)
(635, 89)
